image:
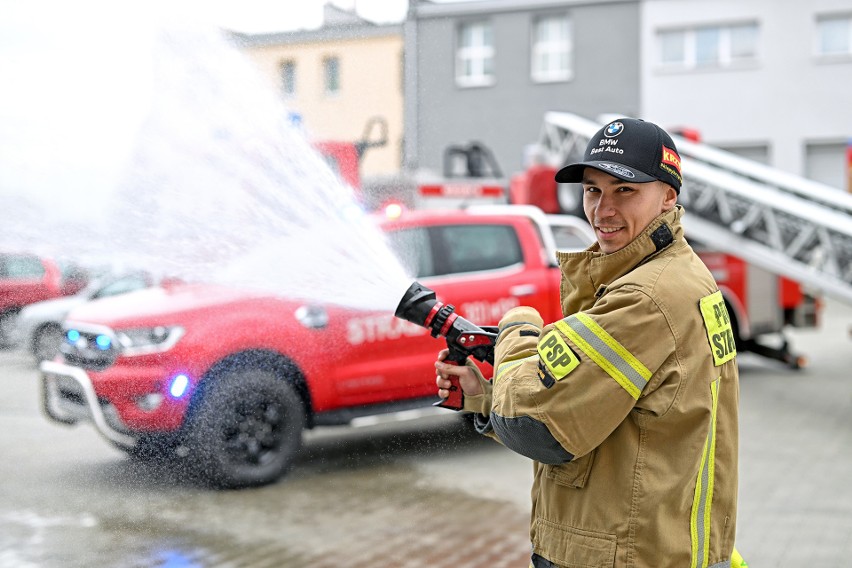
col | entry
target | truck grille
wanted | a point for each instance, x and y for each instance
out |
(89, 348)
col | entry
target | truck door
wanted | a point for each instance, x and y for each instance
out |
(480, 268)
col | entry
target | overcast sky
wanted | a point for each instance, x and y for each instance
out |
(277, 15)
(241, 15)
(76, 77)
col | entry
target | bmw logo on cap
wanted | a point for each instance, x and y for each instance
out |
(613, 129)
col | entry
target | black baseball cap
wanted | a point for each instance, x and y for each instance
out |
(629, 149)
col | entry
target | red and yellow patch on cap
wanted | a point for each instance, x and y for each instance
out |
(670, 157)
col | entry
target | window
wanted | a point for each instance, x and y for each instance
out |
(673, 48)
(455, 249)
(413, 249)
(756, 152)
(551, 49)
(122, 286)
(288, 78)
(331, 72)
(568, 238)
(743, 42)
(21, 267)
(708, 46)
(472, 248)
(834, 36)
(475, 55)
(825, 162)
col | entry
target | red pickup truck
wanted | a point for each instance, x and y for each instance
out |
(228, 379)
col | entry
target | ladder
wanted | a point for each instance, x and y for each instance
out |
(783, 223)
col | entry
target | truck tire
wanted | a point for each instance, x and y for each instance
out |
(7, 325)
(246, 429)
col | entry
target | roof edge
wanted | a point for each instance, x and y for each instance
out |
(425, 10)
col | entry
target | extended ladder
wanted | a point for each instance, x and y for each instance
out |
(783, 223)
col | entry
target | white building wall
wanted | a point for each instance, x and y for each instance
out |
(788, 100)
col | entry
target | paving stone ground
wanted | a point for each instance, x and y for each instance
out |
(426, 493)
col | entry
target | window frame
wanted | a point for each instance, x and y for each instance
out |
(288, 79)
(690, 35)
(833, 55)
(481, 54)
(331, 63)
(437, 251)
(565, 46)
(447, 241)
(21, 267)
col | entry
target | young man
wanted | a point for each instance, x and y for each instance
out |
(628, 406)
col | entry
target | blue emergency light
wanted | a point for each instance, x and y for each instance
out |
(179, 386)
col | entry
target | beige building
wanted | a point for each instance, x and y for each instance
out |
(338, 79)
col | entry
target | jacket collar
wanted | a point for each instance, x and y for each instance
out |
(584, 273)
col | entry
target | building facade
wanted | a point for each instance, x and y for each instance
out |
(487, 71)
(766, 79)
(761, 78)
(337, 79)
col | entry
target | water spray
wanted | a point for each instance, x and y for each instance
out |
(188, 168)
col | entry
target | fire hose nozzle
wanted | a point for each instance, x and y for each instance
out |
(419, 305)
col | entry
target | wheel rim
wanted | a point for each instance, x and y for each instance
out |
(255, 434)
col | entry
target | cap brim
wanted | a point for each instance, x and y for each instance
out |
(573, 173)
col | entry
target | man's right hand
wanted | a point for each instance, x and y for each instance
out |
(467, 378)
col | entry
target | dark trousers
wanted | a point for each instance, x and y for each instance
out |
(538, 562)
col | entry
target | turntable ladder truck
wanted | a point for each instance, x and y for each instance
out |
(779, 224)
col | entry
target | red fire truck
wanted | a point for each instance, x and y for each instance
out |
(761, 301)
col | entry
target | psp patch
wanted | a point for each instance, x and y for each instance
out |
(557, 355)
(719, 329)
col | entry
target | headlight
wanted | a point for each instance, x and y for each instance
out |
(143, 340)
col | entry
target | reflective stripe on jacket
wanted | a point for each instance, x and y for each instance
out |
(628, 407)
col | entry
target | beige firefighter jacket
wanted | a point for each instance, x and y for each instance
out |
(628, 407)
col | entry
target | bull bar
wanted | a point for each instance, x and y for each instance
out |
(58, 408)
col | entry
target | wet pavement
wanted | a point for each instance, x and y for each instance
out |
(421, 493)
(301, 524)
(358, 497)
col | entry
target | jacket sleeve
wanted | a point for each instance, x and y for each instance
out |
(480, 403)
(558, 395)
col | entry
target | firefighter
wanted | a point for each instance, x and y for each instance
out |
(628, 405)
